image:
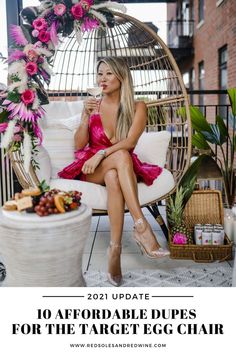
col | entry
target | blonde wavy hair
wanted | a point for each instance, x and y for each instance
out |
(126, 109)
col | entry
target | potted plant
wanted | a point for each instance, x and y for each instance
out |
(206, 134)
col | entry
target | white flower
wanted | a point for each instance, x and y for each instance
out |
(78, 32)
(20, 85)
(45, 4)
(24, 86)
(18, 68)
(27, 151)
(8, 135)
(99, 16)
(44, 51)
(110, 5)
(47, 68)
(36, 103)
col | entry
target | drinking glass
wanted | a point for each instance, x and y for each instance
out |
(96, 92)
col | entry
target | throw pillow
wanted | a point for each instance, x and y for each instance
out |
(152, 147)
(70, 123)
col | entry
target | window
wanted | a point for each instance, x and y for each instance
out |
(191, 84)
(223, 78)
(201, 84)
(200, 10)
(186, 79)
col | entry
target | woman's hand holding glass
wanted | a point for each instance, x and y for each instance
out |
(90, 105)
(96, 92)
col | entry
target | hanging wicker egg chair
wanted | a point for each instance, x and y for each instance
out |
(157, 81)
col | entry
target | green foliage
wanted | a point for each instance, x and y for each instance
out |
(232, 98)
(222, 127)
(177, 202)
(14, 78)
(199, 141)
(13, 96)
(199, 122)
(188, 180)
(43, 186)
(217, 134)
(4, 116)
(175, 207)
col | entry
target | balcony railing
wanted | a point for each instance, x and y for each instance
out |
(180, 33)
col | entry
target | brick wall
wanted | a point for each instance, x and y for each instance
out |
(217, 30)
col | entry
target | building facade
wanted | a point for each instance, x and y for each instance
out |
(202, 37)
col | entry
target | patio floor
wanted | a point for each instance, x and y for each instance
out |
(95, 257)
(95, 253)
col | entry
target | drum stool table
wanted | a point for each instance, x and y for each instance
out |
(44, 251)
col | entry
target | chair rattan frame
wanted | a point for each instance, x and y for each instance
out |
(157, 80)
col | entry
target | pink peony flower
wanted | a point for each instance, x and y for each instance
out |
(3, 127)
(32, 55)
(35, 33)
(59, 9)
(17, 137)
(31, 68)
(28, 96)
(77, 11)
(89, 24)
(40, 24)
(44, 36)
(18, 129)
(86, 4)
(179, 239)
(40, 60)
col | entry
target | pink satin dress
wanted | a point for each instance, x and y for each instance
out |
(98, 140)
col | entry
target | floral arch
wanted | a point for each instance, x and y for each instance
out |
(30, 59)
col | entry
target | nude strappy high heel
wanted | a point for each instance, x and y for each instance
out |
(114, 252)
(146, 240)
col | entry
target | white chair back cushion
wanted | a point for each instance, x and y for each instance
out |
(59, 111)
(61, 119)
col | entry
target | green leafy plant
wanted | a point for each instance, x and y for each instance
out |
(217, 134)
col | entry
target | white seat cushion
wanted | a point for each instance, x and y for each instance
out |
(162, 185)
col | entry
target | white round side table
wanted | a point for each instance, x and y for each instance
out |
(44, 251)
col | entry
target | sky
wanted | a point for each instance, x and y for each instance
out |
(155, 13)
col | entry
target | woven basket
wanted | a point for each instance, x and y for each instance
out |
(204, 207)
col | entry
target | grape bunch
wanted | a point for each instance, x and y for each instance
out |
(46, 206)
(56, 201)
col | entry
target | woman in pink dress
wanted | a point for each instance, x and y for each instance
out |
(105, 140)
